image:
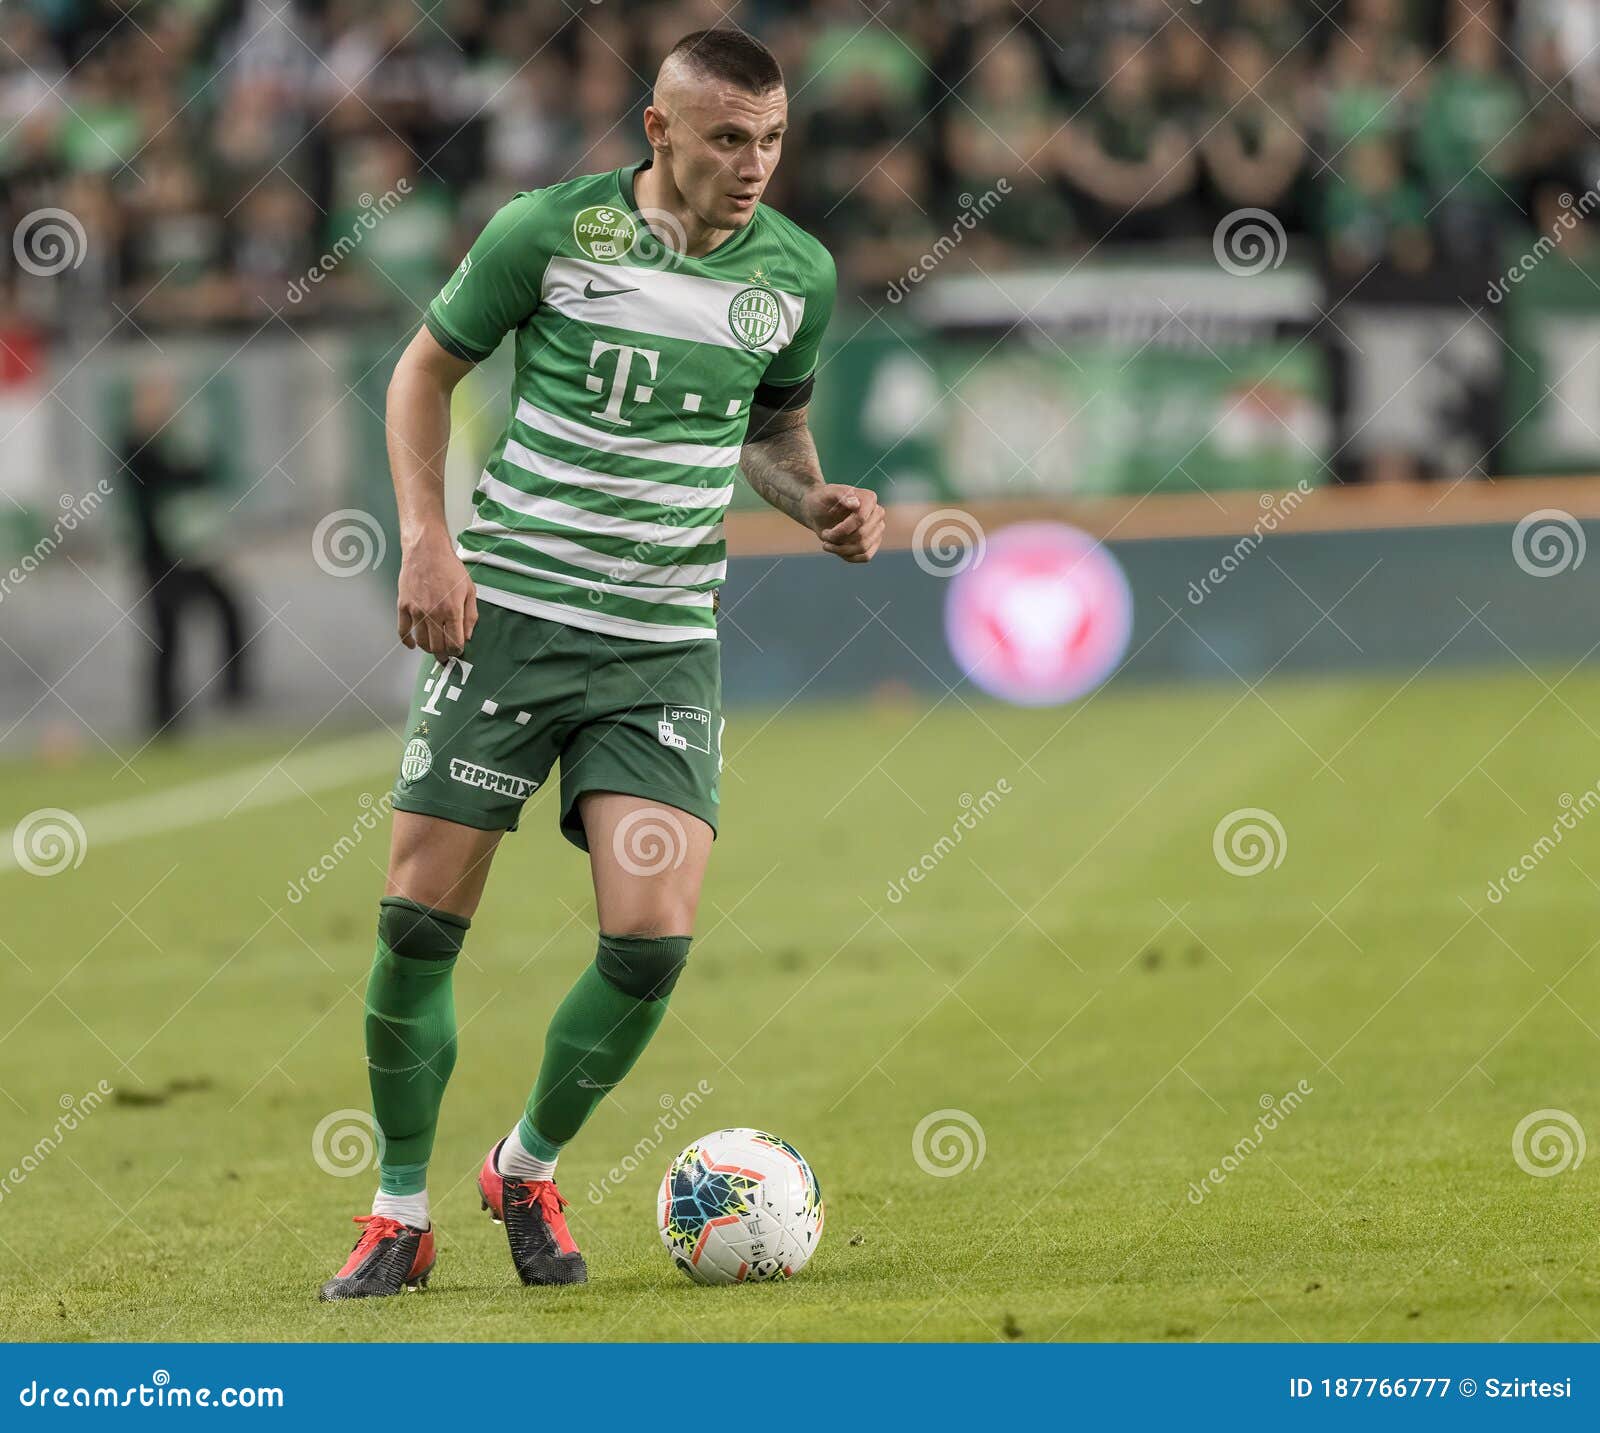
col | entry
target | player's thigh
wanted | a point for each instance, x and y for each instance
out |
(648, 861)
(438, 863)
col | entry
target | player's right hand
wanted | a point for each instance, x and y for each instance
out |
(438, 606)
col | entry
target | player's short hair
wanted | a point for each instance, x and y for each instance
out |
(732, 56)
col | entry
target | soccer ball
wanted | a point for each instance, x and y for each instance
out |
(738, 1206)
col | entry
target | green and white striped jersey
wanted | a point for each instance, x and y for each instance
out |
(635, 368)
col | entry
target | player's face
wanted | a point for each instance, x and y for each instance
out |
(725, 145)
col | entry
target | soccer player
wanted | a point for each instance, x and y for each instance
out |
(666, 326)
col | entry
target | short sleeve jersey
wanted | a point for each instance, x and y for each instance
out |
(635, 368)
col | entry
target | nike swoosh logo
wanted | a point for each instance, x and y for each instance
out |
(591, 292)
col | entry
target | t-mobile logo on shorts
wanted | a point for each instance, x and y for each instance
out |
(439, 683)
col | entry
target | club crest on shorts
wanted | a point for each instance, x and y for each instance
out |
(685, 728)
(417, 761)
(753, 316)
(603, 232)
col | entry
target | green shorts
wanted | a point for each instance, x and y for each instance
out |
(643, 718)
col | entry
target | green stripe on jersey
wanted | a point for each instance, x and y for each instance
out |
(633, 376)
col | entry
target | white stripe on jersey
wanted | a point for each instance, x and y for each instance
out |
(691, 574)
(677, 495)
(658, 596)
(659, 302)
(563, 515)
(592, 619)
(690, 455)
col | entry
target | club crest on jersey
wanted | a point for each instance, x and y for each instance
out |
(603, 232)
(685, 728)
(417, 761)
(753, 316)
(450, 288)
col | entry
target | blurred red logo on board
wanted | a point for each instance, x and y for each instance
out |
(1042, 616)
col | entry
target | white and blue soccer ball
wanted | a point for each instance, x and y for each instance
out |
(739, 1206)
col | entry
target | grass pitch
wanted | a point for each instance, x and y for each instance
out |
(1077, 974)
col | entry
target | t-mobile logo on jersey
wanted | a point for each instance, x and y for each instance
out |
(612, 412)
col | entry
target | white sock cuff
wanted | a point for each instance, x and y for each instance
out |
(516, 1162)
(409, 1209)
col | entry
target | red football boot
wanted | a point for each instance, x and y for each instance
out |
(542, 1247)
(389, 1258)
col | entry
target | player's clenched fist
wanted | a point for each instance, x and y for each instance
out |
(850, 521)
(438, 607)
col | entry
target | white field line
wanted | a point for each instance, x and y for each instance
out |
(216, 798)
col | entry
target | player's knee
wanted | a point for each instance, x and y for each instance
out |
(419, 932)
(643, 966)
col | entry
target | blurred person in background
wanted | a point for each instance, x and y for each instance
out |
(1553, 128)
(178, 240)
(1283, 29)
(863, 118)
(1469, 138)
(175, 517)
(1351, 100)
(270, 250)
(1131, 166)
(1188, 65)
(884, 220)
(1006, 127)
(1373, 214)
(398, 218)
(1253, 151)
(1385, 28)
(1571, 28)
(1565, 209)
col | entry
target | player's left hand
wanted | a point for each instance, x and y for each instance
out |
(850, 521)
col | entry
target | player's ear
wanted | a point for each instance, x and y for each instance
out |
(655, 129)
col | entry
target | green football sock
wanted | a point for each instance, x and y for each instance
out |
(411, 1034)
(598, 1032)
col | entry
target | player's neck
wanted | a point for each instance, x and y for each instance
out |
(653, 189)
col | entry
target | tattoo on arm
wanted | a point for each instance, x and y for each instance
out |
(779, 458)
